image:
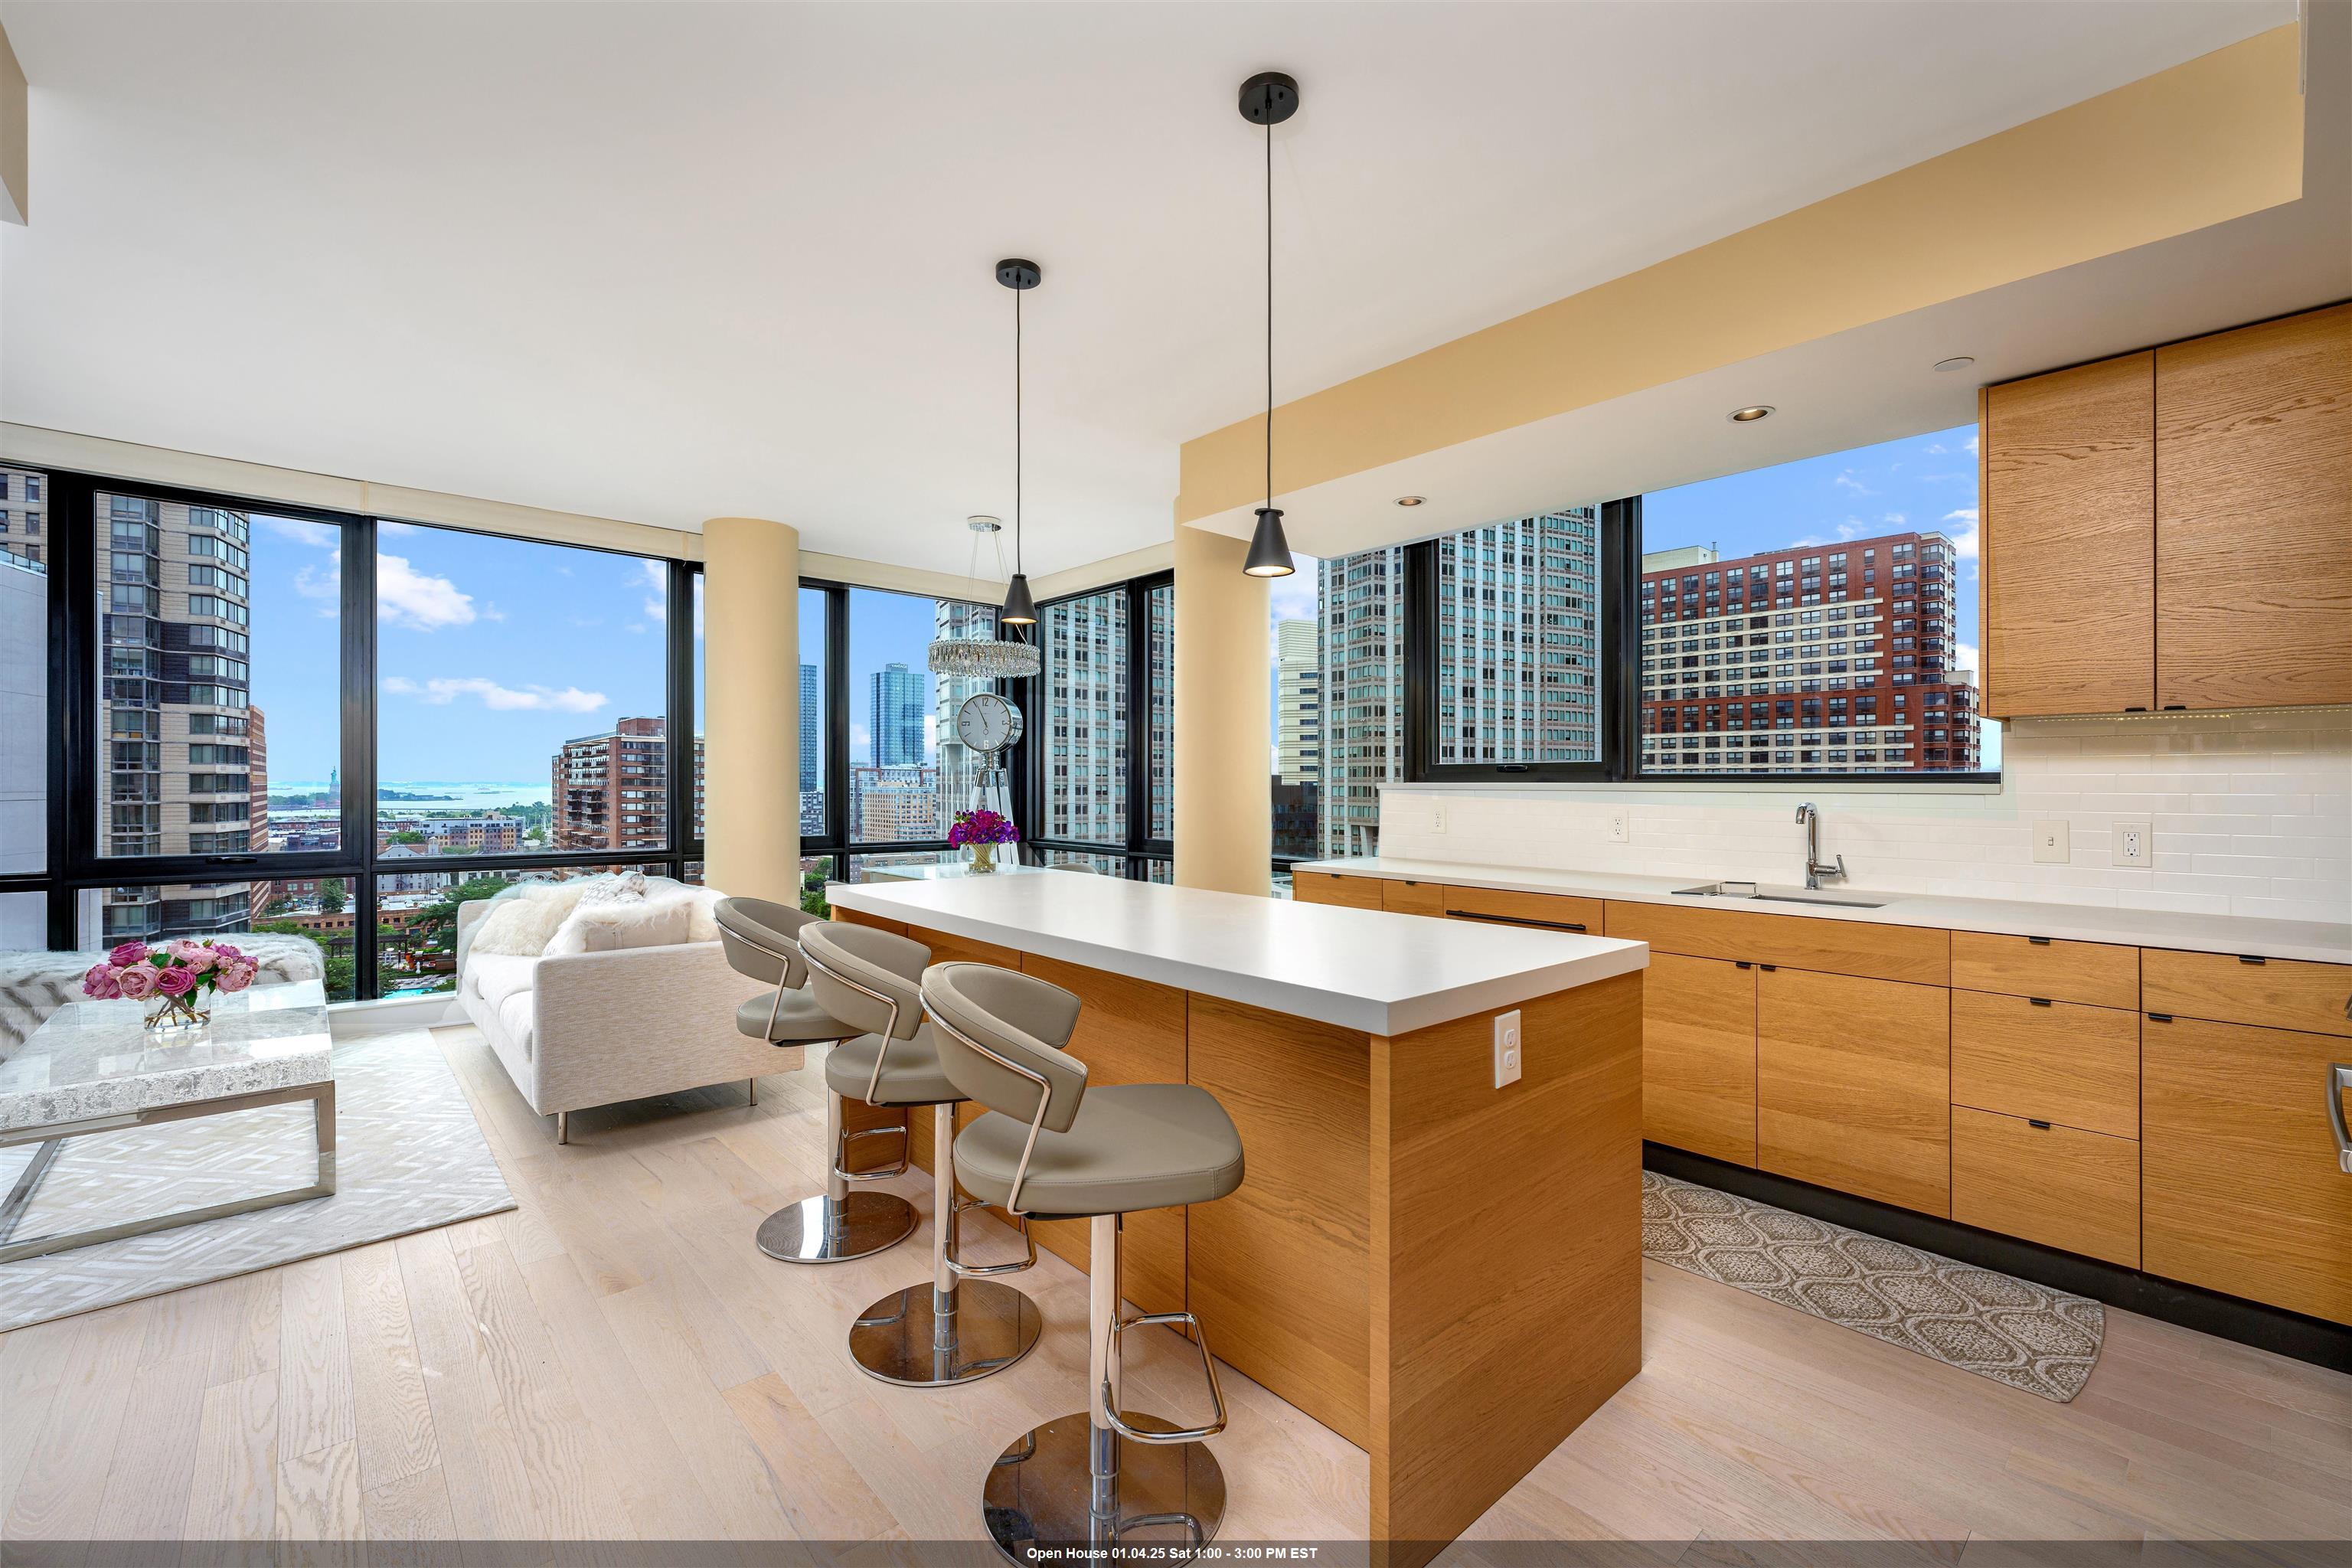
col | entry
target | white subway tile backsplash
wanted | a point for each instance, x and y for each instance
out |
(2251, 814)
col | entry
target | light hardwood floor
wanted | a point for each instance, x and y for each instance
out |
(614, 1361)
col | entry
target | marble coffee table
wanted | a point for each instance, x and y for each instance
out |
(93, 1068)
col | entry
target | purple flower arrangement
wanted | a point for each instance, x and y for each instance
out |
(173, 976)
(982, 826)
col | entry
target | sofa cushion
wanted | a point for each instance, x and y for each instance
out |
(636, 922)
(495, 976)
(514, 1017)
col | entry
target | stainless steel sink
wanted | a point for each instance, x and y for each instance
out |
(1780, 895)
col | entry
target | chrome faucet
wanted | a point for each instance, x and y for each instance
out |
(1811, 815)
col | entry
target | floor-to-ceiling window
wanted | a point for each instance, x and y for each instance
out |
(1102, 738)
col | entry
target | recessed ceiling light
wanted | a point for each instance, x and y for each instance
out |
(1958, 362)
(1411, 500)
(1750, 415)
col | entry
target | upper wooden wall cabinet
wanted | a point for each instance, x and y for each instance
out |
(2172, 530)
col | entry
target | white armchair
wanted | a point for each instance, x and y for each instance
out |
(579, 1029)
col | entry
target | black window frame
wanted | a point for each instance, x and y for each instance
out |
(1140, 850)
(73, 864)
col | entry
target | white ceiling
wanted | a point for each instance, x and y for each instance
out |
(663, 262)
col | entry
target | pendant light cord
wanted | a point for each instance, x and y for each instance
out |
(1269, 313)
(1016, 430)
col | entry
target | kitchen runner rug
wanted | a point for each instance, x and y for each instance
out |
(409, 1157)
(2011, 1331)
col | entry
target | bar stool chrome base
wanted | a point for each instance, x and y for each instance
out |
(824, 1229)
(900, 1337)
(1037, 1503)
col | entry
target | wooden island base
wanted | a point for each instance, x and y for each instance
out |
(1448, 1274)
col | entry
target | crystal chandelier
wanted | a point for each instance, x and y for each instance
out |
(971, 659)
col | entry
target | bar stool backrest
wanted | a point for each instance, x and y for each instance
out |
(871, 980)
(763, 940)
(1000, 1035)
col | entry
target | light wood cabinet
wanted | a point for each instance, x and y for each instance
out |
(2054, 1061)
(2057, 1185)
(2253, 516)
(1324, 887)
(2277, 993)
(2068, 541)
(1402, 898)
(1698, 1055)
(2241, 1188)
(2096, 972)
(1799, 942)
(1853, 1085)
(1558, 910)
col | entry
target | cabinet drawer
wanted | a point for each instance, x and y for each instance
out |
(1412, 897)
(1323, 887)
(1555, 909)
(1796, 942)
(2055, 1061)
(2087, 971)
(2058, 1185)
(2276, 992)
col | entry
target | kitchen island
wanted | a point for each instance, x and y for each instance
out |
(1446, 1273)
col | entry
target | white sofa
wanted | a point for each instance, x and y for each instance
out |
(580, 1029)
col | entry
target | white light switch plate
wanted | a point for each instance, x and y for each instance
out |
(2050, 843)
(1507, 1050)
(2135, 844)
(1621, 827)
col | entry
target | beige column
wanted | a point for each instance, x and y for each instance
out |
(752, 652)
(1225, 810)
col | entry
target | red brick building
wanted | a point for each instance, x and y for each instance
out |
(1820, 658)
(610, 791)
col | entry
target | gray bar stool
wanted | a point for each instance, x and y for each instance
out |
(957, 1325)
(1052, 1147)
(762, 941)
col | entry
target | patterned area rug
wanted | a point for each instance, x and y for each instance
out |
(2011, 1331)
(409, 1157)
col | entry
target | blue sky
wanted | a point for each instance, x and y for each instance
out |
(1927, 483)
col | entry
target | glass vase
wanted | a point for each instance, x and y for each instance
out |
(171, 1013)
(983, 859)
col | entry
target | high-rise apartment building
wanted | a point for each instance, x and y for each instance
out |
(900, 695)
(611, 791)
(1084, 727)
(812, 715)
(24, 722)
(1297, 702)
(24, 504)
(1818, 658)
(1518, 655)
(959, 766)
(173, 591)
(896, 804)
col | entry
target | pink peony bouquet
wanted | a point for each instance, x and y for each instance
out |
(173, 976)
(982, 826)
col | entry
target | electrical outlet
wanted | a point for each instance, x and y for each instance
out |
(1437, 817)
(1506, 1048)
(1620, 826)
(2135, 844)
(2050, 843)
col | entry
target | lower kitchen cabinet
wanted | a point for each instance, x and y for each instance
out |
(2242, 1190)
(1853, 1085)
(2060, 1186)
(1698, 1055)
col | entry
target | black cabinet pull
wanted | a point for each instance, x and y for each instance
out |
(1770, 968)
(2135, 709)
(1516, 921)
(2039, 940)
(2032, 1122)
(2176, 707)
(1741, 964)
(2160, 1018)
(2038, 1000)
(2243, 958)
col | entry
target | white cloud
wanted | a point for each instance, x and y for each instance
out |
(302, 531)
(1964, 657)
(418, 600)
(1896, 518)
(1847, 481)
(1963, 529)
(442, 691)
(654, 577)
(324, 583)
(1971, 444)
(387, 525)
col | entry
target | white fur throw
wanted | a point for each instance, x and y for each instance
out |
(626, 910)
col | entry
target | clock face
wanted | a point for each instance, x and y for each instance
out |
(987, 723)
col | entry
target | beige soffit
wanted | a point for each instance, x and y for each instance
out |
(29, 445)
(2212, 139)
(16, 110)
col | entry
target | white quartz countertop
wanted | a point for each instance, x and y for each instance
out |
(2317, 940)
(1360, 969)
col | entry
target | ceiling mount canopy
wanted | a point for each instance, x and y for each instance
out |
(991, 658)
(1020, 276)
(1268, 98)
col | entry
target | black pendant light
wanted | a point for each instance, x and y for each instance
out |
(1268, 98)
(1020, 609)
